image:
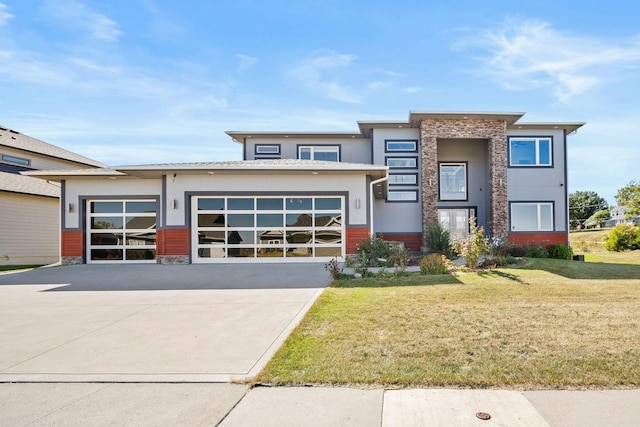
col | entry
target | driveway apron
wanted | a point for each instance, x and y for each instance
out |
(150, 323)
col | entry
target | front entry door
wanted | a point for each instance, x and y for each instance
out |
(456, 221)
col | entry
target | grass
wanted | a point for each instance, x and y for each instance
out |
(18, 267)
(545, 324)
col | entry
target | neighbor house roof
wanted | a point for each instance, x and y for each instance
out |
(20, 141)
(14, 183)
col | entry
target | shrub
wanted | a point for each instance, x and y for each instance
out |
(534, 250)
(434, 264)
(334, 268)
(560, 251)
(439, 239)
(474, 246)
(371, 250)
(623, 237)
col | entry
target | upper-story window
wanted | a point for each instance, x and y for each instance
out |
(453, 181)
(401, 162)
(267, 149)
(530, 151)
(330, 153)
(400, 146)
(16, 160)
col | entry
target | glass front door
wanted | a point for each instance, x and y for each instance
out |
(456, 221)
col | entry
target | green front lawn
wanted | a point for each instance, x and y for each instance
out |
(545, 324)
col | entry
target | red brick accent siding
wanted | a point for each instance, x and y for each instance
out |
(354, 237)
(172, 242)
(547, 239)
(412, 241)
(72, 243)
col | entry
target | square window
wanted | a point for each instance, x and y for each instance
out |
(532, 216)
(525, 151)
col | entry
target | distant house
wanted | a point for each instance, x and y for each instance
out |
(30, 207)
(618, 216)
(313, 196)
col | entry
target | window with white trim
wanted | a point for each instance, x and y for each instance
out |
(318, 152)
(529, 151)
(532, 216)
(453, 181)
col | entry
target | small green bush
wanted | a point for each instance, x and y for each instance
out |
(534, 250)
(434, 264)
(439, 239)
(372, 249)
(623, 237)
(560, 251)
(474, 246)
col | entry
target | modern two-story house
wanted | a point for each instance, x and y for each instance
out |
(315, 195)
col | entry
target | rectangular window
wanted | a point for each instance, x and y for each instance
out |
(532, 216)
(527, 151)
(402, 196)
(317, 152)
(453, 181)
(400, 146)
(403, 179)
(16, 160)
(401, 162)
(267, 149)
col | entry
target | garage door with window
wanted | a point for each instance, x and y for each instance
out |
(267, 228)
(121, 231)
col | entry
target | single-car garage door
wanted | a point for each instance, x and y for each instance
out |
(267, 228)
(121, 231)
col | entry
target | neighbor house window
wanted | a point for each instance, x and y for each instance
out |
(400, 146)
(16, 160)
(268, 149)
(532, 216)
(316, 152)
(453, 181)
(401, 162)
(525, 151)
(402, 196)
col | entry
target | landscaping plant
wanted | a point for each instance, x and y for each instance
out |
(623, 237)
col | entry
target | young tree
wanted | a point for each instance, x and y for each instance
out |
(583, 204)
(629, 196)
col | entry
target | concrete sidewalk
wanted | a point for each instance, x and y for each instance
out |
(231, 405)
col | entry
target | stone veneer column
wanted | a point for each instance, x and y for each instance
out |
(493, 131)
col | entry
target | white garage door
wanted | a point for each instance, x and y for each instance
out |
(121, 231)
(301, 228)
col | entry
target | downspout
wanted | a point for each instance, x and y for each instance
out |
(372, 183)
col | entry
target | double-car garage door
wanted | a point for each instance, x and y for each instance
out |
(260, 228)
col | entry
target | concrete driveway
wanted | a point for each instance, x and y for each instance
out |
(150, 323)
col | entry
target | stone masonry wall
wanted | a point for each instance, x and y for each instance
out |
(495, 131)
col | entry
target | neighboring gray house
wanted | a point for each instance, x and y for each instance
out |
(29, 207)
(617, 215)
(299, 196)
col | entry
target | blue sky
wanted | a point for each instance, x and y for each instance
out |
(151, 81)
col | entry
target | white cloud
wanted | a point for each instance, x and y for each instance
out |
(75, 14)
(246, 61)
(530, 54)
(313, 74)
(412, 89)
(5, 16)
